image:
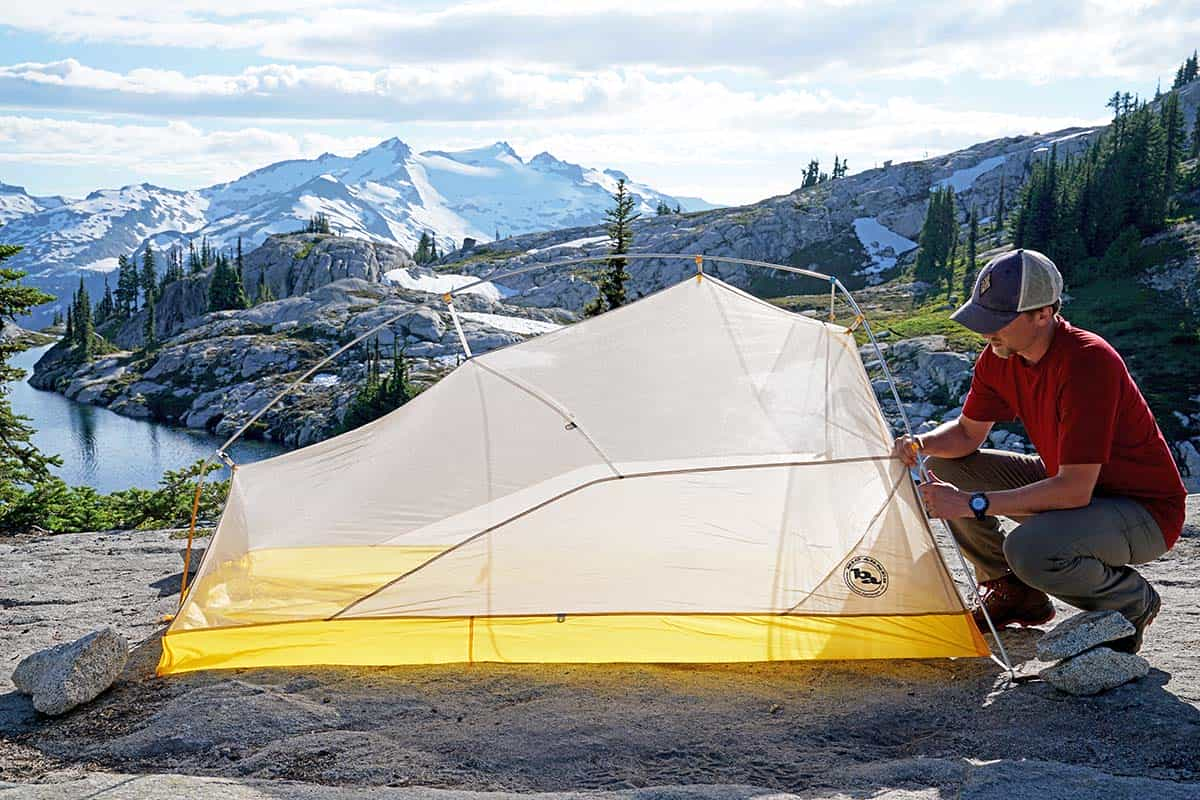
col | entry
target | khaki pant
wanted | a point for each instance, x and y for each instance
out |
(1079, 555)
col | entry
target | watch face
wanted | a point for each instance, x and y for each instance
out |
(978, 503)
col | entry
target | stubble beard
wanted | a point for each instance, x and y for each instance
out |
(1001, 351)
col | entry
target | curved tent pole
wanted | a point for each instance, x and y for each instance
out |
(835, 285)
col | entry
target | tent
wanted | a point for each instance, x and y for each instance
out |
(698, 476)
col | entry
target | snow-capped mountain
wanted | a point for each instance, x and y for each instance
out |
(385, 193)
(16, 202)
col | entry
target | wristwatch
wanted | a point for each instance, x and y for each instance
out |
(979, 504)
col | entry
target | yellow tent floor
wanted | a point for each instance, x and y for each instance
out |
(598, 638)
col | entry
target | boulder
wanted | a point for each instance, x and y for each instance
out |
(1082, 632)
(1094, 671)
(62, 677)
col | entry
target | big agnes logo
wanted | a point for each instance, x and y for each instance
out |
(865, 576)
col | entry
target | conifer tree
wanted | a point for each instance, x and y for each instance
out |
(263, 293)
(968, 281)
(938, 240)
(149, 339)
(69, 334)
(239, 263)
(226, 290)
(1174, 135)
(421, 256)
(149, 280)
(21, 463)
(127, 286)
(194, 266)
(1195, 149)
(619, 227)
(83, 328)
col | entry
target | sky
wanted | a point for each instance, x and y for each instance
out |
(718, 99)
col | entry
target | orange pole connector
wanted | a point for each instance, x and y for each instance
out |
(699, 268)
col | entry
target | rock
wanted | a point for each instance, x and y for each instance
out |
(1082, 632)
(1096, 670)
(62, 677)
(1189, 461)
(197, 557)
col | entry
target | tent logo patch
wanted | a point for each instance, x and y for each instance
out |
(865, 576)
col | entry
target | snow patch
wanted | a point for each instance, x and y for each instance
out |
(962, 179)
(510, 324)
(103, 265)
(574, 243)
(882, 244)
(446, 282)
(325, 379)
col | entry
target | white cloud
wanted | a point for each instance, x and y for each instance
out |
(176, 153)
(1026, 39)
(398, 94)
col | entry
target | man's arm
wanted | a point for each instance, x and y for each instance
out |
(1072, 487)
(954, 439)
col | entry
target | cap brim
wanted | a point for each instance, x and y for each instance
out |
(982, 320)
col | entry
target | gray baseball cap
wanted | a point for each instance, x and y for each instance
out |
(1016, 281)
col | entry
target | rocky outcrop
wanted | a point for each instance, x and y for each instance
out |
(218, 370)
(296, 264)
(819, 227)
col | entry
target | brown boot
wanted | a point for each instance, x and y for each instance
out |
(1011, 602)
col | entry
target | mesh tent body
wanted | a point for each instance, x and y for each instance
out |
(698, 476)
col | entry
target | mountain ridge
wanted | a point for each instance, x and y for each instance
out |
(387, 193)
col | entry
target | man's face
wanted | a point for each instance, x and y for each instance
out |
(1020, 334)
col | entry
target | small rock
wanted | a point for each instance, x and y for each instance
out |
(1094, 671)
(197, 557)
(1082, 632)
(62, 677)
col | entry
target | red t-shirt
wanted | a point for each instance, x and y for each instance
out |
(1079, 405)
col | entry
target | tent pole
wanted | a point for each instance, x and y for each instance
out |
(1004, 660)
(457, 325)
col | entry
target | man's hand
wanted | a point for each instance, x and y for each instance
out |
(944, 501)
(906, 448)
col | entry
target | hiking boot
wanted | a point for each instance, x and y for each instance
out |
(1131, 644)
(1011, 602)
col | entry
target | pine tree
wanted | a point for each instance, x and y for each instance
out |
(149, 280)
(226, 290)
(69, 334)
(21, 464)
(263, 293)
(83, 328)
(968, 281)
(240, 264)
(194, 266)
(421, 256)
(149, 339)
(619, 227)
(1195, 150)
(812, 174)
(938, 240)
(106, 308)
(127, 287)
(318, 223)
(1174, 136)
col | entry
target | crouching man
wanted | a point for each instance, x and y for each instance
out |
(1102, 493)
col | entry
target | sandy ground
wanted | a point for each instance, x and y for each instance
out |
(894, 729)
